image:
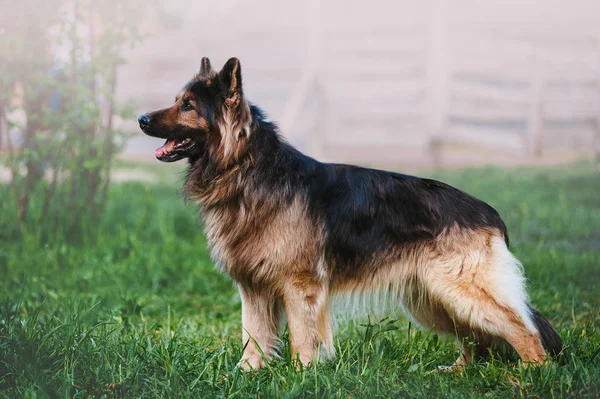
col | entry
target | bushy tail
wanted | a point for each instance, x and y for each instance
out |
(550, 339)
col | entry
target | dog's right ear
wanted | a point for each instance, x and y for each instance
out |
(231, 76)
(205, 68)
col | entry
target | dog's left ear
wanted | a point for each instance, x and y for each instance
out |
(205, 68)
(231, 76)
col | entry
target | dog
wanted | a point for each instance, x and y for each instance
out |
(292, 232)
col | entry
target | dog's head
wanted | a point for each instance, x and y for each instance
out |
(210, 117)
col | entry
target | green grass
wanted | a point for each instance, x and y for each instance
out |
(142, 312)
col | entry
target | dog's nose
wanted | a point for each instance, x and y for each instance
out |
(144, 121)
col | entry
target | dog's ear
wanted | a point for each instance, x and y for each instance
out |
(235, 118)
(205, 68)
(231, 76)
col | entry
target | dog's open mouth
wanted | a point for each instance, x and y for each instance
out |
(174, 149)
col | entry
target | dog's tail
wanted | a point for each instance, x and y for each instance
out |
(550, 339)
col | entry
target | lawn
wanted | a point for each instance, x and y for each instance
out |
(141, 312)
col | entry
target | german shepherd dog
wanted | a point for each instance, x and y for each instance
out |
(292, 231)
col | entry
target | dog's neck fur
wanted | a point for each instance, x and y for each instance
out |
(210, 184)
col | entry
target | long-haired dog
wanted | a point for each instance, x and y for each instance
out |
(292, 231)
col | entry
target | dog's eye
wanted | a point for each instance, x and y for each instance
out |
(187, 107)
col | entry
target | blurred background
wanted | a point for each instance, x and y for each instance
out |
(404, 85)
(397, 84)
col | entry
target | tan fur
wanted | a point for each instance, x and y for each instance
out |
(234, 130)
(261, 314)
(174, 116)
(305, 302)
(192, 120)
(279, 256)
(257, 253)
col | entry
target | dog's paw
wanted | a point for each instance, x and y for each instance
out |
(251, 363)
(455, 368)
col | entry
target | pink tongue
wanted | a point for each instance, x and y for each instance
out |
(165, 149)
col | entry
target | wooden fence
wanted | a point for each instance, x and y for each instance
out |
(428, 78)
(378, 81)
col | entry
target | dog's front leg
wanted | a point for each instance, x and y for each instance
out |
(307, 309)
(260, 321)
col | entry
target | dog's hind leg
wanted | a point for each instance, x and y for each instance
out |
(488, 296)
(307, 310)
(261, 314)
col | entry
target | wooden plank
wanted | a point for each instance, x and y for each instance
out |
(346, 30)
(371, 68)
(391, 46)
(486, 137)
(572, 78)
(477, 56)
(378, 91)
(569, 135)
(488, 70)
(481, 112)
(535, 122)
(578, 93)
(364, 18)
(488, 92)
(387, 136)
(373, 115)
(571, 112)
(270, 76)
(469, 44)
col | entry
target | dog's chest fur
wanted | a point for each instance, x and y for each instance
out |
(259, 243)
